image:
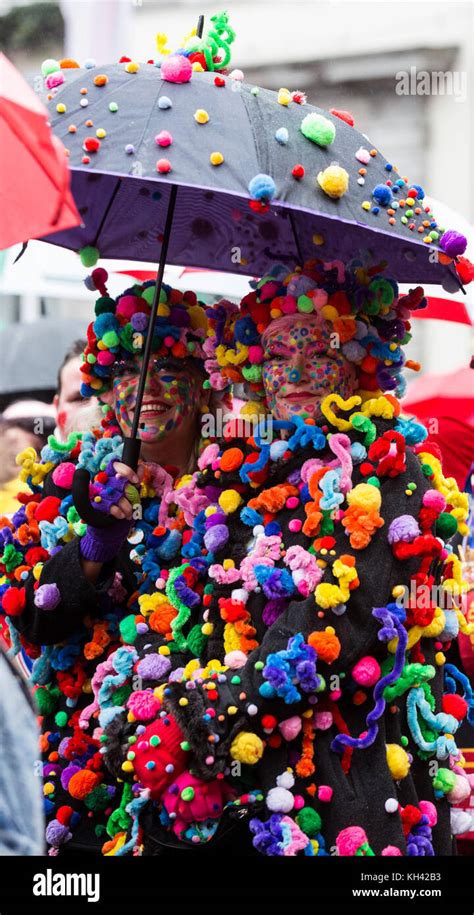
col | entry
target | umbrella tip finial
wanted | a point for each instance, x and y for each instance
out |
(200, 27)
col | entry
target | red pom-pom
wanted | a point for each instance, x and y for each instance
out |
(91, 144)
(163, 166)
(13, 601)
(454, 705)
(125, 60)
(36, 554)
(366, 468)
(343, 115)
(64, 814)
(219, 81)
(298, 171)
(465, 270)
(48, 509)
(99, 278)
(269, 722)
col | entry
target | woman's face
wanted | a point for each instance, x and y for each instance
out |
(301, 367)
(173, 392)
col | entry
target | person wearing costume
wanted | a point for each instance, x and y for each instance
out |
(320, 709)
(79, 591)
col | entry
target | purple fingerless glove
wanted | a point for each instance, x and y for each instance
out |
(103, 544)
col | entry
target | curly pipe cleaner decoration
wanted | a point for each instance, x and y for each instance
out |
(134, 808)
(123, 662)
(184, 611)
(451, 674)
(391, 626)
(444, 745)
(41, 671)
(262, 459)
(104, 669)
(340, 445)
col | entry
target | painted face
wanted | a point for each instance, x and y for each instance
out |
(173, 390)
(301, 367)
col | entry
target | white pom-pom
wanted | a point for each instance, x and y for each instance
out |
(240, 594)
(279, 800)
(252, 709)
(461, 821)
(391, 805)
(235, 659)
(285, 780)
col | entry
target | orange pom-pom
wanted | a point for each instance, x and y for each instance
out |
(160, 620)
(82, 783)
(231, 459)
(326, 644)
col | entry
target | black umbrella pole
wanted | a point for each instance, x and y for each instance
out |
(131, 448)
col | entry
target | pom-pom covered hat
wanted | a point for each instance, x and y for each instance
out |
(120, 329)
(367, 314)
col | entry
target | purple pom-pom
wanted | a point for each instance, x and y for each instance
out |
(405, 527)
(453, 243)
(153, 667)
(139, 321)
(216, 537)
(57, 834)
(47, 597)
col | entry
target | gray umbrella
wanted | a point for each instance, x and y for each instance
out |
(30, 354)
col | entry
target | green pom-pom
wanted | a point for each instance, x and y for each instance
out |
(318, 129)
(446, 526)
(132, 494)
(149, 292)
(126, 335)
(309, 821)
(113, 107)
(49, 66)
(121, 695)
(104, 304)
(196, 640)
(252, 372)
(374, 481)
(61, 719)
(46, 700)
(444, 780)
(98, 798)
(110, 339)
(128, 629)
(89, 256)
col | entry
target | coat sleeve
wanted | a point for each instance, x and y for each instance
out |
(78, 598)
(212, 726)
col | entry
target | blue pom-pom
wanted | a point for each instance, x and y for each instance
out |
(282, 136)
(382, 194)
(262, 187)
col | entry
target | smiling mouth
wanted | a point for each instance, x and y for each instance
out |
(153, 408)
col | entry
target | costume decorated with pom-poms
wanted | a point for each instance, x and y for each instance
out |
(317, 690)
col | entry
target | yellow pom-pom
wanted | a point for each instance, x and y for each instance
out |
(284, 97)
(164, 650)
(398, 591)
(232, 710)
(183, 701)
(334, 181)
(247, 748)
(365, 496)
(132, 66)
(207, 628)
(440, 658)
(101, 133)
(201, 116)
(229, 501)
(318, 239)
(228, 564)
(37, 569)
(397, 761)
(329, 312)
(61, 108)
(48, 788)
(365, 205)
(163, 310)
(216, 158)
(197, 67)
(127, 766)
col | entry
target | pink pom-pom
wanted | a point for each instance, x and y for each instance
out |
(255, 355)
(163, 138)
(290, 728)
(325, 794)
(429, 810)
(235, 659)
(105, 357)
(128, 305)
(367, 671)
(435, 500)
(62, 474)
(349, 840)
(143, 705)
(54, 80)
(99, 277)
(176, 69)
(391, 851)
(323, 720)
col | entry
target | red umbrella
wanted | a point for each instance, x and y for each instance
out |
(34, 188)
(445, 404)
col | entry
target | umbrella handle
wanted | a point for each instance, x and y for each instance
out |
(81, 481)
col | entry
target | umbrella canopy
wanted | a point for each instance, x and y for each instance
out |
(443, 395)
(32, 354)
(34, 188)
(120, 127)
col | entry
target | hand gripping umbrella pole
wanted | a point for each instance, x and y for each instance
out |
(131, 445)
